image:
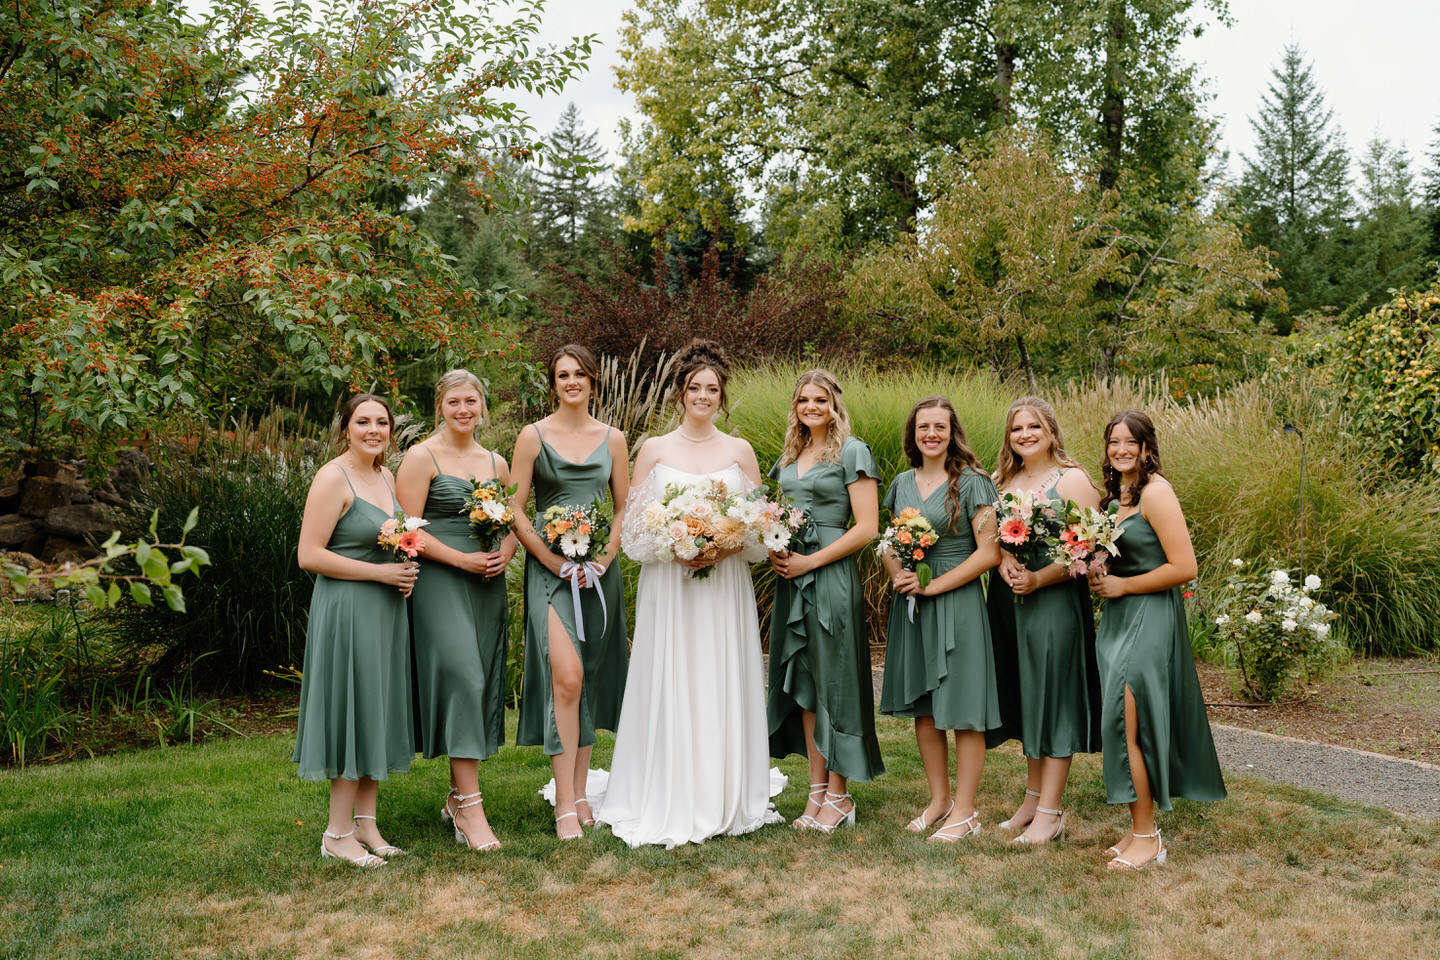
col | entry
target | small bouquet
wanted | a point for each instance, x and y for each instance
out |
(906, 539)
(1086, 542)
(1024, 521)
(401, 535)
(488, 508)
(781, 522)
(700, 520)
(579, 533)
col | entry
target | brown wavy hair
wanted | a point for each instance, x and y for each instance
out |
(700, 355)
(1009, 463)
(958, 454)
(797, 435)
(588, 366)
(347, 413)
(1142, 428)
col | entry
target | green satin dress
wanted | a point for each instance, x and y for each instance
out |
(1058, 676)
(355, 712)
(819, 647)
(459, 631)
(942, 665)
(1143, 643)
(605, 652)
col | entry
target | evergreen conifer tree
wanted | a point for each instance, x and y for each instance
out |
(571, 207)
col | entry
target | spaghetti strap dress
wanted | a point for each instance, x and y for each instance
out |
(1058, 674)
(604, 653)
(1143, 643)
(942, 664)
(459, 624)
(355, 711)
(819, 647)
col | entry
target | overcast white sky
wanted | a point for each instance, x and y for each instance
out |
(1367, 56)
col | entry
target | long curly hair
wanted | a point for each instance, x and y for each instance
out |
(1142, 428)
(797, 435)
(1009, 462)
(958, 454)
(347, 413)
(700, 355)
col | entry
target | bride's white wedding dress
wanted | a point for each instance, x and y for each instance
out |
(692, 756)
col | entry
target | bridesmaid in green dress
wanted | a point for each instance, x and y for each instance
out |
(355, 726)
(1059, 680)
(571, 687)
(1157, 738)
(822, 702)
(939, 668)
(458, 612)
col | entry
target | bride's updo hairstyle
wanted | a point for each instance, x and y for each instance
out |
(1142, 428)
(797, 435)
(700, 355)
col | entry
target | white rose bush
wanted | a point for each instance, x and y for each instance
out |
(1280, 632)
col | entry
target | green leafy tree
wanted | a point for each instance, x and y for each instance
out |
(190, 208)
(1295, 191)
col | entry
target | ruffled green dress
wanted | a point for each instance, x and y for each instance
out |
(819, 647)
(355, 713)
(605, 653)
(942, 665)
(1058, 676)
(459, 631)
(1143, 643)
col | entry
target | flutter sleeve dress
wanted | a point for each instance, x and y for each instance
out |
(819, 647)
(603, 653)
(459, 624)
(942, 664)
(1143, 643)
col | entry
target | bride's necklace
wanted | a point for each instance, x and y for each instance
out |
(714, 432)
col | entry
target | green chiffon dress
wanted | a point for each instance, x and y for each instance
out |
(604, 654)
(942, 665)
(1058, 674)
(1143, 643)
(458, 624)
(819, 648)
(355, 713)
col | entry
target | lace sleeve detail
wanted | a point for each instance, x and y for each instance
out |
(640, 544)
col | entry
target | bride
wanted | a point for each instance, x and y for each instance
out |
(691, 750)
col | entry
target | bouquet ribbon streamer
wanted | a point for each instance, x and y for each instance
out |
(571, 571)
(912, 608)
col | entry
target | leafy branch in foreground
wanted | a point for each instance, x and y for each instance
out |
(103, 585)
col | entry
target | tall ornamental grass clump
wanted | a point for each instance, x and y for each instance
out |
(878, 404)
(246, 612)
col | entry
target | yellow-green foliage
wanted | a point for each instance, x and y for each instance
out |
(1389, 362)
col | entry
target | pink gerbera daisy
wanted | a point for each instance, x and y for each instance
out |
(1014, 531)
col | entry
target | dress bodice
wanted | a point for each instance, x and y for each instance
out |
(561, 481)
(823, 491)
(734, 478)
(955, 545)
(356, 533)
(1140, 548)
(445, 508)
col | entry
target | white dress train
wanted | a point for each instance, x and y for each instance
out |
(692, 754)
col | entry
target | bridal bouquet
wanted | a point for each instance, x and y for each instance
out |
(781, 522)
(1086, 542)
(401, 535)
(1024, 520)
(488, 508)
(579, 533)
(699, 520)
(906, 539)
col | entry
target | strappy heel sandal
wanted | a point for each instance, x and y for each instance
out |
(968, 827)
(805, 821)
(1014, 822)
(1120, 863)
(385, 849)
(364, 860)
(466, 801)
(833, 801)
(586, 821)
(1059, 833)
(920, 824)
(1113, 851)
(445, 815)
(573, 836)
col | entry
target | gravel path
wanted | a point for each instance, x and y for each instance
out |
(1404, 786)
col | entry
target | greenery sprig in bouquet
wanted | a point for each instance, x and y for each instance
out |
(488, 507)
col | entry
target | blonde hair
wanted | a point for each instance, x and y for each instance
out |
(797, 435)
(459, 378)
(1009, 463)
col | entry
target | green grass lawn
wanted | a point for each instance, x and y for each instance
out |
(212, 851)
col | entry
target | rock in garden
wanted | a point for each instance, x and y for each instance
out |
(43, 494)
(130, 473)
(15, 529)
(79, 522)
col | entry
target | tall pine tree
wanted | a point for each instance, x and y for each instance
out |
(571, 207)
(1295, 190)
(1388, 251)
